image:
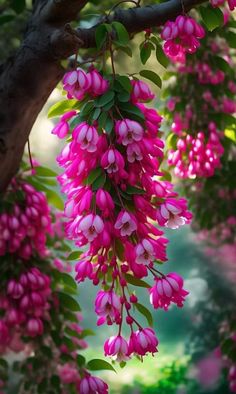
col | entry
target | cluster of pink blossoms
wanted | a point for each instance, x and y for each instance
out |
(181, 37)
(24, 227)
(197, 157)
(78, 83)
(24, 306)
(113, 199)
(219, 3)
(70, 374)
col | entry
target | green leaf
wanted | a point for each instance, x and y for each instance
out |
(124, 97)
(222, 64)
(152, 76)
(227, 346)
(101, 35)
(74, 255)
(121, 32)
(127, 50)
(61, 107)
(54, 199)
(125, 83)
(99, 182)
(86, 108)
(109, 125)
(80, 360)
(171, 141)
(119, 249)
(94, 174)
(69, 302)
(131, 109)
(46, 350)
(98, 365)
(145, 52)
(44, 171)
(161, 57)
(212, 17)
(231, 134)
(136, 281)
(166, 176)
(102, 120)
(18, 5)
(230, 38)
(134, 190)
(3, 363)
(55, 382)
(96, 113)
(145, 312)
(87, 333)
(67, 280)
(5, 18)
(105, 98)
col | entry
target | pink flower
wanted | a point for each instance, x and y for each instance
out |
(62, 128)
(14, 289)
(34, 327)
(92, 385)
(167, 290)
(83, 270)
(128, 131)
(141, 92)
(86, 136)
(116, 347)
(91, 226)
(143, 341)
(231, 4)
(181, 37)
(173, 213)
(134, 153)
(112, 161)
(144, 252)
(125, 223)
(76, 83)
(68, 373)
(98, 85)
(107, 305)
(104, 202)
(4, 333)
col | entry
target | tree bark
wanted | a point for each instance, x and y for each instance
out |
(28, 78)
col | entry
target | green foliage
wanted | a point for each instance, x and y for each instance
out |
(98, 365)
(212, 17)
(152, 76)
(145, 312)
(136, 281)
(121, 32)
(146, 49)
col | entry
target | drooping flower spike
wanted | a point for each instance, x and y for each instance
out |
(115, 203)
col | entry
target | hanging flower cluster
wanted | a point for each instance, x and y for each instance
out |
(23, 227)
(115, 198)
(219, 3)
(38, 318)
(196, 145)
(196, 157)
(181, 37)
(228, 348)
(24, 306)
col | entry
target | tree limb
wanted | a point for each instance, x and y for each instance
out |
(27, 80)
(137, 19)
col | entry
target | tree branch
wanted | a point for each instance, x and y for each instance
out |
(137, 19)
(27, 80)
